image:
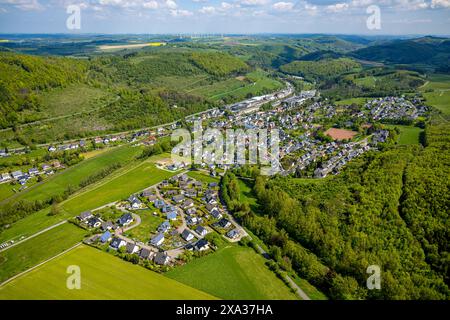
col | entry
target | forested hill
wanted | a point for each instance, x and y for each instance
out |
(388, 209)
(23, 77)
(428, 50)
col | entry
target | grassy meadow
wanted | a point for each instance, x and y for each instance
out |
(103, 276)
(34, 251)
(233, 272)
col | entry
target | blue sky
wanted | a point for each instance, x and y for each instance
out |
(226, 16)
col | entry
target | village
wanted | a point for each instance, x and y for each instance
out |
(181, 214)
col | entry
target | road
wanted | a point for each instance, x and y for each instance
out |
(292, 283)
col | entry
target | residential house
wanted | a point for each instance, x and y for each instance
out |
(192, 193)
(187, 203)
(201, 245)
(172, 215)
(85, 215)
(107, 225)
(201, 231)
(146, 253)
(159, 203)
(125, 219)
(224, 223)
(117, 243)
(190, 210)
(191, 220)
(5, 176)
(211, 207)
(178, 198)
(233, 234)
(164, 227)
(157, 240)
(94, 222)
(162, 258)
(135, 203)
(132, 248)
(216, 214)
(17, 174)
(106, 237)
(33, 171)
(187, 235)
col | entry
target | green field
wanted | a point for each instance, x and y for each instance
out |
(358, 101)
(74, 175)
(439, 97)
(202, 176)
(73, 99)
(36, 250)
(120, 187)
(233, 273)
(6, 190)
(149, 224)
(408, 134)
(103, 276)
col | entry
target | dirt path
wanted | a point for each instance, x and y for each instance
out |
(33, 235)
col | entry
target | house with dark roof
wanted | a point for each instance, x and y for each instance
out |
(107, 225)
(187, 235)
(224, 223)
(117, 243)
(216, 214)
(162, 258)
(191, 193)
(190, 210)
(145, 253)
(125, 219)
(210, 207)
(201, 231)
(178, 198)
(94, 222)
(187, 203)
(131, 248)
(159, 203)
(201, 245)
(135, 203)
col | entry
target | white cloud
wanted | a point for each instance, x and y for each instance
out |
(254, 3)
(151, 5)
(171, 4)
(337, 7)
(26, 5)
(283, 6)
(207, 10)
(180, 13)
(440, 4)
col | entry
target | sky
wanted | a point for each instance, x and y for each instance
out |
(364, 17)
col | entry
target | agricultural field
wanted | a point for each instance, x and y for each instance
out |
(120, 187)
(72, 176)
(72, 100)
(233, 272)
(437, 92)
(202, 176)
(34, 251)
(408, 134)
(103, 276)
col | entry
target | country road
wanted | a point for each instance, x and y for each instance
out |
(298, 290)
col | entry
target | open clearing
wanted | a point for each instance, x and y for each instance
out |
(40, 248)
(439, 92)
(340, 134)
(103, 276)
(408, 134)
(144, 175)
(233, 272)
